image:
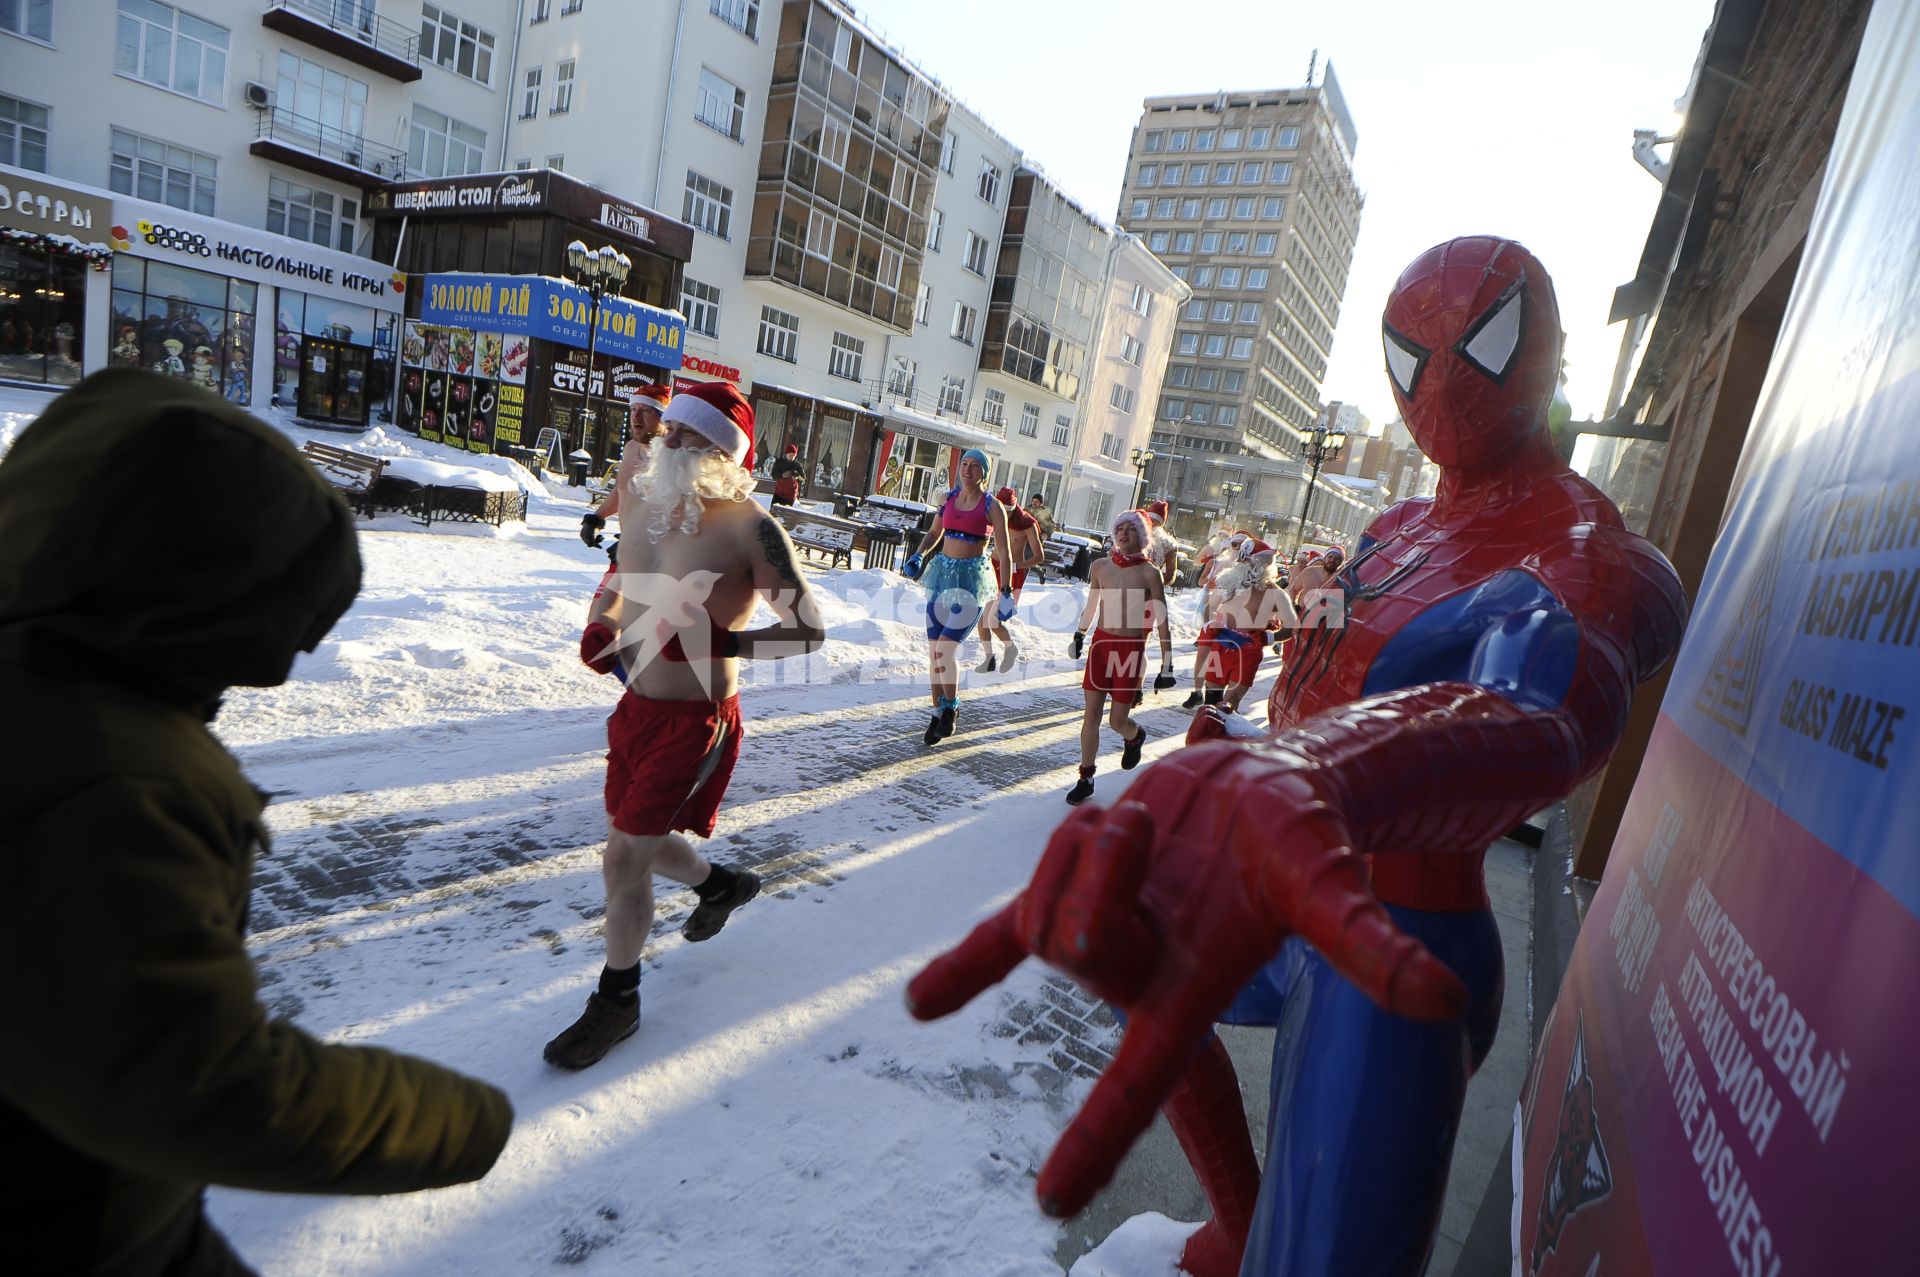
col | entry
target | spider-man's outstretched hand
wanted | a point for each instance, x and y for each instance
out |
(1167, 915)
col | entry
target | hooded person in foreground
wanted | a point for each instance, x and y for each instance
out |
(138, 1065)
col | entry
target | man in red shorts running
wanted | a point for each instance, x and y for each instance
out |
(1124, 598)
(1023, 551)
(694, 555)
(1249, 605)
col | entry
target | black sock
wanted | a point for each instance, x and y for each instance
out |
(620, 984)
(717, 884)
(1216, 695)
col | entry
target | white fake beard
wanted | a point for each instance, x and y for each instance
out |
(678, 482)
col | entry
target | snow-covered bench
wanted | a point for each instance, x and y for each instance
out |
(354, 473)
(819, 534)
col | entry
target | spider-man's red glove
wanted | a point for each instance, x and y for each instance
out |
(1166, 906)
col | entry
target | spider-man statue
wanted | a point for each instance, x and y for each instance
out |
(1328, 879)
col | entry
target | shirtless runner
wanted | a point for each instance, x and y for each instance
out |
(1124, 597)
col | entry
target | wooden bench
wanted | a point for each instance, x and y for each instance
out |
(815, 534)
(354, 473)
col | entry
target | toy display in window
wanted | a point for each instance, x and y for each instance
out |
(171, 363)
(126, 347)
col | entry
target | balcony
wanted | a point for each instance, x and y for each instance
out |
(328, 152)
(350, 29)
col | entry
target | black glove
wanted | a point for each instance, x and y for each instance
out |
(1164, 680)
(1079, 643)
(590, 525)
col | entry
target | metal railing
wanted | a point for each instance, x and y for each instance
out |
(356, 19)
(296, 131)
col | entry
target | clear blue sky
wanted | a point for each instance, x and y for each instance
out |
(1510, 117)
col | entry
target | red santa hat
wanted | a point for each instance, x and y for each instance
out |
(1156, 510)
(719, 413)
(652, 396)
(1007, 497)
(793, 450)
(1135, 517)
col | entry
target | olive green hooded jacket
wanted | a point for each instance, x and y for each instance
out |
(158, 546)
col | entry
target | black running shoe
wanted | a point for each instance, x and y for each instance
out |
(1081, 791)
(709, 916)
(602, 1026)
(933, 731)
(1130, 750)
(1192, 701)
(946, 722)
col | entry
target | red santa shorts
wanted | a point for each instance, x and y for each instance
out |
(1226, 666)
(1115, 666)
(1019, 577)
(668, 763)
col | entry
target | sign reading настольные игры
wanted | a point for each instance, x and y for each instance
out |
(553, 310)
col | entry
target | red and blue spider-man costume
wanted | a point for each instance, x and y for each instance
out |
(1328, 879)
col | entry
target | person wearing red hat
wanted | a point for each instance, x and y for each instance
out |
(1124, 598)
(1162, 550)
(643, 427)
(1023, 551)
(1249, 605)
(696, 556)
(787, 473)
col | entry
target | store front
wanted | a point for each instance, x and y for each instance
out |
(917, 456)
(53, 241)
(835, 439)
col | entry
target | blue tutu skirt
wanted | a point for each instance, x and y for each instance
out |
(957, 590)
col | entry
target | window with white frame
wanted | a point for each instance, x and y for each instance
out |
(530, 95)
(1240, 348)
(708, 206)
(155, 170)
(1121, 400)
(1165, 207)
(1243, 209)
(1281, 174)
(820, 227)
(1159, 241)
(1265, 243)
(1273, 207)
(441, 146)
(1196, 309)
(1153, 142)
(1207, 378)
(310, 99)
(1173, 173)
(1226, 415)
(922, 304)
(166, 46)
(1224, 173)
(1257, 277)
(742, 15)
(1140, 210)
(1108, 444)
(964, 319)
(1183, 241)
(1179, 374)
(1230, 139)
(1062, 430)
(720, 104)
(301, 212)
(30, 18)
(953, 394)
(1099, 506)
(779, 334)
(948, 145)
(1188, 344)
(558, 163)
(1237, 243)
(1257, 138)
(1030, 420)
(1253, 174)
(1289, 138)
(521, 166)
(1190, 208)
(1249, 313)
(901, 374)
(1200, 412)
(1234, 382)
(1131, 350)
(892, 263)
(1180, 140)
(990, 182)
(975, 258)
(1217, 206)
(542, 10)
(936, 224)
(563, 87)
(1149, 174)
(993, 407)
(1210, 242)
(452, 42)
(1215, 345)
(1141, 301)
(1199, 174)
(1229, 277)
(1203, 277)
(23, 132)
(1223, 312)
(846, 356)
(1173, 409)
(572, 6)
(1203, 140)
(700, 303)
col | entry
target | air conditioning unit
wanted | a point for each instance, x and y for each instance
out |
(259, 96)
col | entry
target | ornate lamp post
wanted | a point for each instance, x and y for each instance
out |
(1142, 458)
(600, 271)
(1324, 442)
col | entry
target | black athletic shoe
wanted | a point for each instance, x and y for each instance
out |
(602, 1026)
(946, 722)
(1130, 750)
(1081, 791)
(933, 731)
(986, 666)
(1192, 701)
(709, 916)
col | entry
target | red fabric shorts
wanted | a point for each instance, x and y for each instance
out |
(1019, 577)
(668, 763)
(1229, 666)
(1115, 666)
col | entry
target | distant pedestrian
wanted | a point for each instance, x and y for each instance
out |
(1023, 552)
(1124, 599)
(787, 473)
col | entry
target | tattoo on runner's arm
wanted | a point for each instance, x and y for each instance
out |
(778, 558)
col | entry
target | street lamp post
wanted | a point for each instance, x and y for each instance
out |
(1324, 442)
(1230, 492)
(598, 270)
(1142, 458)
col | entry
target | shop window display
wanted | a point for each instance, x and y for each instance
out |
(184, 323)
(462, 387)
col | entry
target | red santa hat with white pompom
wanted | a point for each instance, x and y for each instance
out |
(719, 413)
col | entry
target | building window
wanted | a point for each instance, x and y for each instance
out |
(572, 6)
(953, 394)
(1210, 242)
(1227, 415)
(1165, 208)
(162, 45)
(1173, 409)
(901, 376)
(1216, 345)
(1224, 173)
(1190, 208)
(30, 18)
(1229, 277)
(1030, 420)
(1141, 302)
(820, 228)
(1281, 174)
(964, 318)
(1237, 243)
(1200, 412)
(304, 213)
(1149, 174)
(700, 303)
(1223, 311)
(948, 145)
(541, 10)
(1062, 430)
(1217, 206)
(1179, 375)
(1203, 277)
(1197, 309)
(1203, 140)
(458, 45)
(1257, 138)
(23, 131)
(558, 163)
(1241, 348)
(530, 100)
(1230, 140)
(892, 262)
(521, 166)
(1141, 209)
(1153, 141)
(1257, 278)
(990, 182)
(708, 205)
(1253, 174)
(844, 360)
(721, 106)
(1122, 399)
(563, 87)
(742, 15)
(1289, 138)
(1181, 139)
(1243, 209)
(321, 106)
(1273, 207)
(1265, 243)
(993, 407)
(1159, 241)
(779, 334)
(1183, 241)
(1131, 351)
(1173, 174)
(154, 170)
(936, 223)
(922, 304)
(1234, 382)
(976, 255)
(1188, 344)
(1249, 313)
(1207, 378)
(442, 146)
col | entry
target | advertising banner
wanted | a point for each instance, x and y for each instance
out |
(1725, 1083)
(555, 310)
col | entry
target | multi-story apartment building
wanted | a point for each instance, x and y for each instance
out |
(1250, 198)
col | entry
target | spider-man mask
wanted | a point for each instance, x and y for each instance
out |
(1472, 337)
